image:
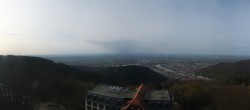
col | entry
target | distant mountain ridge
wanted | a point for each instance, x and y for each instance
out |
(46, 81)
(28, 69)
(226, 70)
(123, 75)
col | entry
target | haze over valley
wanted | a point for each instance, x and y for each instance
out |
(176, 66)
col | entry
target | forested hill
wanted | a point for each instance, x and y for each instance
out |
(227, 70)
(123, 75)
(47, 81)
(17, 69)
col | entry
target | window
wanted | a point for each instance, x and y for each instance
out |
(100, 105)
(152, 105)
(94, 98)
(113, 108)
(89, 97)
(159, 106)
(94, 104)
(108, 101)
(166, 105)
(88, 102)
(88, 108)
(107, 108)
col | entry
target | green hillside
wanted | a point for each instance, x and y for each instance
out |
(46, 81)
(235, 72)
(124, 75)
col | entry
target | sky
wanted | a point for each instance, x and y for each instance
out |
(61, 27)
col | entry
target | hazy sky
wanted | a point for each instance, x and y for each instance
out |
(30, 27)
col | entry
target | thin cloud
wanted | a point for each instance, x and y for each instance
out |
(164, 26)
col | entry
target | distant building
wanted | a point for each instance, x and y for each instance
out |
(105, 97)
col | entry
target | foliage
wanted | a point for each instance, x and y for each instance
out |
(225, 71)
(47, 81)
(125, 75)
(211, 95)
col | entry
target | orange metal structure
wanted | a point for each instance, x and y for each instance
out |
(136, 103)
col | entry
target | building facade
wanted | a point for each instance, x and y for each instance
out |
(105, 97)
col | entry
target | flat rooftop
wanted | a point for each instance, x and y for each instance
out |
(157, 95)
(113, 91)
(122, 92)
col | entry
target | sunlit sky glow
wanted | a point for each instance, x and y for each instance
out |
(33, 27)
